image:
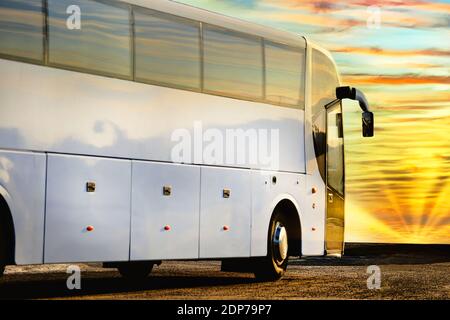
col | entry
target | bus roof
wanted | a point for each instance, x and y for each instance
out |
(221, 20)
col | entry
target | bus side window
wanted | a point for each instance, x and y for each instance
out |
(102, 42)
(233, 63)
(284, 69)
(22, 29)
(167, 49)
(325, 81)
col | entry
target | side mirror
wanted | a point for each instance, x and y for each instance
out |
(367, 116)
(368, 124)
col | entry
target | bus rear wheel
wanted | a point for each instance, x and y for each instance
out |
(135, 270)
(274, 265)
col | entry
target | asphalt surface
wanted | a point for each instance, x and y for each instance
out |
(407, 272)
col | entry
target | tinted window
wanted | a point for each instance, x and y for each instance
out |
(324, 83)
(233, 63)
(335, 148)
(167, 49)
(102, 43)
(284, 74)
(22, 28)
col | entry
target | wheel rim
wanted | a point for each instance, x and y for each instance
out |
(280, 244)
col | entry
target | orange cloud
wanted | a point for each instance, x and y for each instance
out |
(416, 65)
(392, 52)
(327, 23)
(412, 4)
(395, 80)
(434, 6)
(330, 5)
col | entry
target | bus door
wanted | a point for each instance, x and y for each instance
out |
(335, 177)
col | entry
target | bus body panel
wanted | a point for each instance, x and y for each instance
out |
(22, 185)
(165, 222)
(124, 119)
(313, 245)
(265, 197)
(310, 155)
(225, 213)
(315, 202)
(73, 210)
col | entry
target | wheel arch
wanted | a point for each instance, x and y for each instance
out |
(289, 208)
(7, 230)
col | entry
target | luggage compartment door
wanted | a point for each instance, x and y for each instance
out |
(88, 209)
(225, 218)
(165, 211)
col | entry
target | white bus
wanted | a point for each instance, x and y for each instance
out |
(103, 105)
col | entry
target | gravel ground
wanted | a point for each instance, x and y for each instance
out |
(407, 272)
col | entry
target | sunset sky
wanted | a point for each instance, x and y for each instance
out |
(398, 183)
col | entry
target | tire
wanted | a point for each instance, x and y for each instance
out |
(274, 265)
(3, 253)
(135, 270)
(6, 237)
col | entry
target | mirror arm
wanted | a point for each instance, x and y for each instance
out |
(367, 116)
(361, 98)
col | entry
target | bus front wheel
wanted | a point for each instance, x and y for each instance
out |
(273, 266)
(3, 253)
(135, 270)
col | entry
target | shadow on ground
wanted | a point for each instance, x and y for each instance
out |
(357, 254)
(98, 283)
